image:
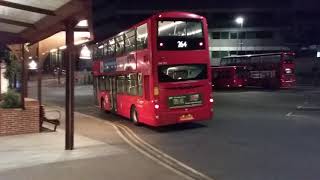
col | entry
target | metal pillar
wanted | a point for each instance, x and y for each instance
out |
(23, 78)
(69, 144)
(0, 77)
(39, 73)
(241, 40)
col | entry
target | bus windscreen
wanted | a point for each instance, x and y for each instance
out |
(180, 35)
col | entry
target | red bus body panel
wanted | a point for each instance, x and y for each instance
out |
(226, 77)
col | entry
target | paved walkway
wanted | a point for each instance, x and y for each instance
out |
(99, 154)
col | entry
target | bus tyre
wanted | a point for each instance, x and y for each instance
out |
(134, 116)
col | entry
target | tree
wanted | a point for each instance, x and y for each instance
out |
(13, 70)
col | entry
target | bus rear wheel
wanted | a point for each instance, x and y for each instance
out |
(134, 116)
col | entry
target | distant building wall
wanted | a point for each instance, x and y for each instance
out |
(240, 41)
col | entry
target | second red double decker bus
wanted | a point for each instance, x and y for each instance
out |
(272, 70)
(157, 72)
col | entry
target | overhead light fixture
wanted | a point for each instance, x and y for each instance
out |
(83, 23)
(85, 53)
(53, 50)
(63, 47)
(33, 65)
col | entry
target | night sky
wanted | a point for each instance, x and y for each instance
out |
(301, 17)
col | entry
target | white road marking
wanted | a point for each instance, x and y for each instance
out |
(141, 142)
(167, 156)
(148, 155)
(289, 114)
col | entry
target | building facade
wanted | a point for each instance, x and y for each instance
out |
(240, 41)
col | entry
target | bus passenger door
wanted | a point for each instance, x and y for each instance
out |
(113, 96)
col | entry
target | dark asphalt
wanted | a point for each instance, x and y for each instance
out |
(254, 135)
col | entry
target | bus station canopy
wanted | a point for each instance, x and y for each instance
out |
(29, 21)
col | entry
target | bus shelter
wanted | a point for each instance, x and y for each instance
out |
(23, 24)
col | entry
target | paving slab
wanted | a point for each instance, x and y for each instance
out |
(43, 148)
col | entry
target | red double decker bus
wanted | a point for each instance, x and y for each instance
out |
(157, 72)
(229, 76)
(273, 70)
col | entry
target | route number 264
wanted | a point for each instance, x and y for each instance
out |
(182, 44)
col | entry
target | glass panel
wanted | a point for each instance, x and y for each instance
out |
(130, 41)
(288, 59)
(233, 35)
(215, 35)
(224, 53)
(180, 29)
(142, 37)
(173, 73)
(242, 72)
(242, 35)
(119, 45)
(99, 52)
(102, 83)
(215, 54)
(111, 47)
(131, 83)
(105, 48)
(108, 86)
(121, 86)
(251, 35)
(194, 29)
(140, 84)
(224, 35)
(264, 34)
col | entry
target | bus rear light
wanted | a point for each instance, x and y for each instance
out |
(157, 117)
(211, 100)
(161, 44)
(234, 81)
(228, 85)
(240, 85)
(156, 106)
(156, 91)
(201, 44)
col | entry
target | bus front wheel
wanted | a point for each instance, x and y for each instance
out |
(134, 116)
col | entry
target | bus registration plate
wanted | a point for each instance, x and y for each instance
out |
(189, 100)
(186, 117)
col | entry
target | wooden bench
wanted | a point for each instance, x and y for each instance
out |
(54, 121)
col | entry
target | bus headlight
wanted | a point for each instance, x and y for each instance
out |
(211, 100)
(156, 106)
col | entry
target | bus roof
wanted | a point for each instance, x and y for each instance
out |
(255, 55)
(177, 14)
(168, 14)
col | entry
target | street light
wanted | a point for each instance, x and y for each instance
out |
(240, 20)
